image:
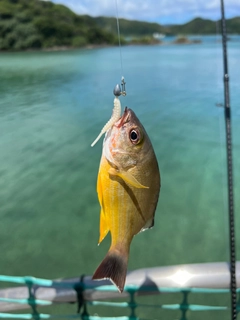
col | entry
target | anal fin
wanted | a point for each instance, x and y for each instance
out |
(104, 228)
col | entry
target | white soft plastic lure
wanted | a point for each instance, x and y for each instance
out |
(116, 115)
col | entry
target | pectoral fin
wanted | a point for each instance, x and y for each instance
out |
(103, 227)
(127, 177)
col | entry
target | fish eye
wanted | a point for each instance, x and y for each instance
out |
(134, 136)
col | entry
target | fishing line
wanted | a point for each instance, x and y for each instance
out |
(119, 37)
(117, 91)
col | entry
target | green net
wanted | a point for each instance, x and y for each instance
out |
(132, 304)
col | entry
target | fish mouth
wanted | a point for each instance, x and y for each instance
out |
(125, 117)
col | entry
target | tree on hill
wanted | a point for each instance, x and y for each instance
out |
(28, 24)
(196, 26)
(129, 27)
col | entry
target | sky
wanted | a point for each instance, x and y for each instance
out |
(160, 11)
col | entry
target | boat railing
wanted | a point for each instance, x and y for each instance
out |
(34, 292)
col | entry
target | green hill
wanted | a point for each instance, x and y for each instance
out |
(204, 26)
(42, 24)
(139, 28)
(129, 27)
(196, 26)
(233, 25)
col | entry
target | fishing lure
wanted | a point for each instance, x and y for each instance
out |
(116, 114)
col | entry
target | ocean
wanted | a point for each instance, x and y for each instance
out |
(52, 107)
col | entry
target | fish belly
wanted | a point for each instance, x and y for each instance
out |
(125, 208)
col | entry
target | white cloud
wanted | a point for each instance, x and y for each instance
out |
(154, 10)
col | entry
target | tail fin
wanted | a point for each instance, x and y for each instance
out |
(113, 267)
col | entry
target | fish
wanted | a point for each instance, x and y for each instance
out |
(128, 187)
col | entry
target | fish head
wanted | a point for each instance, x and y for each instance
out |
(127, 142)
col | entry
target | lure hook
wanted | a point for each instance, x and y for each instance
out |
(123, 87)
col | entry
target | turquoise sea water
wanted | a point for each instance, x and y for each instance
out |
(53, 105)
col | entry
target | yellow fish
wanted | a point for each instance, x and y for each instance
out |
(128, 189)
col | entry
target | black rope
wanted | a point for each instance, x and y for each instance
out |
(79, 288)
(229, 168)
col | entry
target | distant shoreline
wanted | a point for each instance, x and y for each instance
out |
(180, 40)
(59, 49)
(97, 46)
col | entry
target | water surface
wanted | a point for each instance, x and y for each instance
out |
(53, 105)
